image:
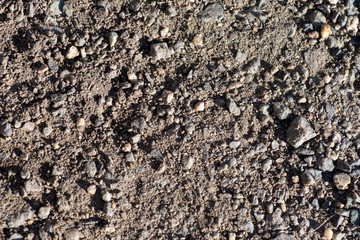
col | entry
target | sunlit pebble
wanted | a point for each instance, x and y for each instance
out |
(325, 31)
(43, 68)
(199, 107)
(113, 39)
(91, 189)
(302, 100)
(80, 122)
(328, 234)
(198, 40)
(164, 32)
(333, 1)
(72, 52)
(167, 96)
(131, 76)
(313, 35)
(326, 78)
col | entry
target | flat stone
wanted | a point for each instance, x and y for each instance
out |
(5, 130)
(44, 212)
(159, 51)
(299, 132)
(72, 234)
(212, 13)
(325, 164)
(234, 109)
(19, 218)
(253, 66)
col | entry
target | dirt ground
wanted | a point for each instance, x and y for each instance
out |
(183, 119)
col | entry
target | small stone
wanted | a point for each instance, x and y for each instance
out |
(164, 32)
(333, 1)
(106, 196)
(80, 123)
(328, 234)
(325, 31)
(19, 218)
(91, 189)
(212, 13)
(352, 24)
(342, 181)
(72, 52)
(113, 37)
(313, 35)
(339, 236)
(29, 127)
(253, 66)
(188, 162)
(171, 11)
(281, 111)
(135, 139)
(44, 212)
(47, 131)
(138, 124)
(91, 169)
(317, 18)
(72, 234)
(129, 157)
(325, 164)
(247, 227)
(5, 130)
(159, 51)
(167, 96)
(234, 144)
(108, 210)
(198, 40)
(310, 176)
(131, 76)
(16, 236)
(299, 132)
(199, 107)
(32, 186)
(232, 236)
(233, 108)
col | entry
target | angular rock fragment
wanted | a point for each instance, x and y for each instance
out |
(299, 132)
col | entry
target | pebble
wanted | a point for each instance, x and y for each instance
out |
(106, 196)
(16, 236)
(232, 236)
(317, 18)
(108, 210)
(167, 96)
(129, 158)
(72, 234)
(5, 130)
(325, 164)
(352, 24)
(333, 2)
(44, 212)
(72, 52)
(91, 189)
(281, 111)
(138, 124)
(253, 66)
(188, 162)
(233, 108)
(29, 127)
(342, 181)
(299, 132)
(234, 144)
(113, 37)
(80, 123)
(32, 186)
(212, 13)
(159, 51)
(19, 218)
(199, 107)
(197, 40)
(91, 169)
(246, 227)
(171, 11)
(325, 31)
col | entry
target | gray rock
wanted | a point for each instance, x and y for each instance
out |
(32, 186)
(355, 217)
(310, 176)
(170, 11)
(44, 212)
(108, 210)
(325, 164)
(281, 111)
(138, 124)
(234, 109)
(16, 236)
(240, 57)
(338, 220)
(342, 181)
(234, 144)
(159, 51)
(19, 218)
(299, 132)
(5, 130)
(232, 236)
(284, 236)
(91, 169)
(352, 7)
(253, 66)
(317, 18)
(212, 13)
(343, 166)
(29, 127)
(187, 162)
(129, 157)
(246, 227)
(72, 234)
(134, 6)
(342, 20)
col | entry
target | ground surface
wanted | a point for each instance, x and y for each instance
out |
(179, 119)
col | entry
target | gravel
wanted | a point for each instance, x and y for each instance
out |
(5, 130)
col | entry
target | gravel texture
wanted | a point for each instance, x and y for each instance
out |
(134, 119)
